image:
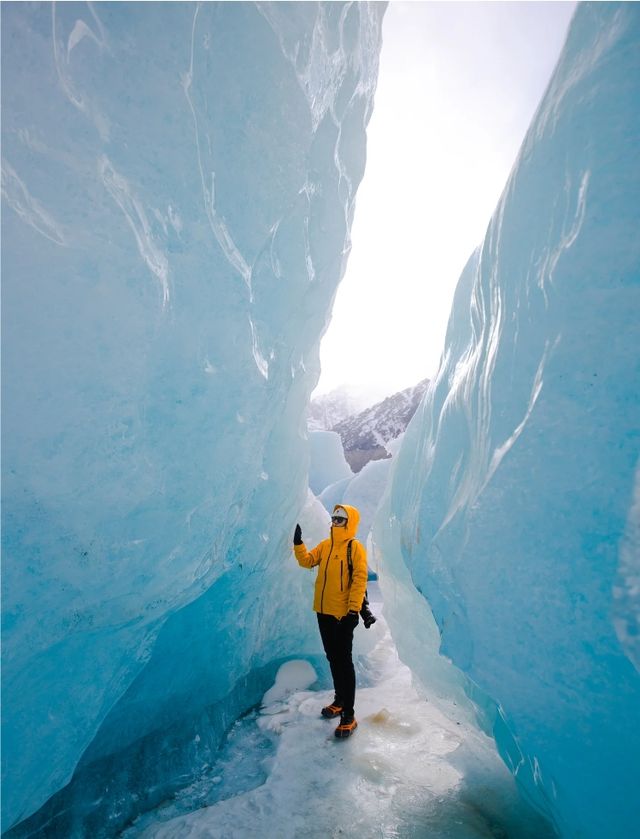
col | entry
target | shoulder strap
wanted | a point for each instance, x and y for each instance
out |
(350, 561)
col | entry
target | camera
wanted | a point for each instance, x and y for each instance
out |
(368, 618)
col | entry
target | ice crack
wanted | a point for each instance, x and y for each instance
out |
(27, 207)
(119, 189)
(216, 222)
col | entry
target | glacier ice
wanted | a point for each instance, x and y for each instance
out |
(413, 770)
(332, 495)
(175, 221)
(363, 491)
(327, 462)
(513, 506)
(366, 489)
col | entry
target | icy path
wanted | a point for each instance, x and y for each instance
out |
(408, 771)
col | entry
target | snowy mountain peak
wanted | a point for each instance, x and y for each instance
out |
(364, 435)
(328, 409)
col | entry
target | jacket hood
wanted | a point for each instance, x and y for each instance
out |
(348, 532)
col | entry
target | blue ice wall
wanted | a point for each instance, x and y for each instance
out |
(515, 496)
(178, 184)
(327, 463)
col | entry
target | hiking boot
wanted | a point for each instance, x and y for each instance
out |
(347, 726)
(333, 710)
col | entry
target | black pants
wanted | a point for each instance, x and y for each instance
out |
(337, 640)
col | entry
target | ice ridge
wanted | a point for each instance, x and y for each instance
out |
(513, 504)
(175, 222)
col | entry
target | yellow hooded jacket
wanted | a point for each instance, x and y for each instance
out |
(333, 595)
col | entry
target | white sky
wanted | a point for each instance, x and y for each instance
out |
(458, 86)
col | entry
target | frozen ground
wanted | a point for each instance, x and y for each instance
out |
(410, 770)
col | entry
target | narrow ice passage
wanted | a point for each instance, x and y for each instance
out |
(152, 473)
(410, 770)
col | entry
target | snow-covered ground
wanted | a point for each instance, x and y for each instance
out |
(408, 771)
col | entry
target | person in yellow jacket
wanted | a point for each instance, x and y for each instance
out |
(337, 600)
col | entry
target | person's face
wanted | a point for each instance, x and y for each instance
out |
(339, 520)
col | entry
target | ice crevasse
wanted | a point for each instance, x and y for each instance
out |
(513, 509)
(175, 224)
(178, 185)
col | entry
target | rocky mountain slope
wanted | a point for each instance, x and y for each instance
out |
(364, 434)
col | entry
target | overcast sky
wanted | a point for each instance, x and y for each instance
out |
(458, 86)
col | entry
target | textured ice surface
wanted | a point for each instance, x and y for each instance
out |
(178, 183)
(333, 494)
(293, 675)
(514, 501)
(327, 463)
(363, 490)
(411, 770)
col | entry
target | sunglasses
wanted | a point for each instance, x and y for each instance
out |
(338, 519)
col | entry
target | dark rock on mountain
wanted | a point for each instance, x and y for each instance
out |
(365, 434)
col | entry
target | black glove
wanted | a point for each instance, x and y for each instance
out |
(351, 619)
(297, 536)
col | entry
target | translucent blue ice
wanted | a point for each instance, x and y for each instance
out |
(327, 463)
(178, 184)
(515, 496)
(175, 222)
(413, 770)
(363, 491)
